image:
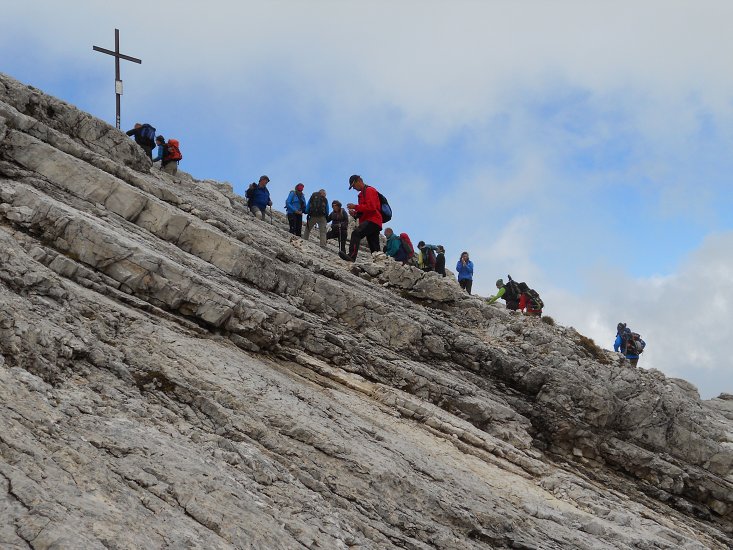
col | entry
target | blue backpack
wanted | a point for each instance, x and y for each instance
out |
(386, 209)
(147, 133)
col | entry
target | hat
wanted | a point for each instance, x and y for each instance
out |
(499, 283)
(264, 178)
(353, 179)
(300, 187)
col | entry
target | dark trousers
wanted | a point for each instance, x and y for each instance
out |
(295, 221)
(370, 230)
(512, 304)
(148, 150)
(466, 284)
(340, 234)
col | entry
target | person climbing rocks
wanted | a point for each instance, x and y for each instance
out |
(317, 210)
(509, 292)
(368, 211)
(294, 208)
(144, 136)
(628, 343)
(464, 268)
(258, 197)
(440, 261)
(530, 302)
(339, 219)
(162, 149)
(168, 154)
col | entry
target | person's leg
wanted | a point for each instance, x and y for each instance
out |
(148, 150)
(291, 224)
(342, 239)
(356, 236)
(373, 237)
(634, 361)
(469, 284)
(254, 210)
(308, 226)
(298, 224)
(322, 228)
(462, 283)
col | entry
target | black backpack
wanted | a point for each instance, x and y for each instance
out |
(317, 205)
(535, 302)
(632, 343)
(147, 134)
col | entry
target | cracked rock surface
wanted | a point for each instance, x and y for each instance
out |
(175, 373)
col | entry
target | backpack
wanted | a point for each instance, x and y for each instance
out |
(406, 245)
(429, 259)
(386, 209)
(174, 153)
(147, 134)
(512, 290)
(317, 205)
(632, 343)
(535, 302)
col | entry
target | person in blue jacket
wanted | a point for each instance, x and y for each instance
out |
(294, 207)
(258, 197)
(622, 336)
(464, 268)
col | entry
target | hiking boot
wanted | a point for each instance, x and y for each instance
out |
(345, 256)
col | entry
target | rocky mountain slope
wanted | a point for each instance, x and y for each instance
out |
(177, 374)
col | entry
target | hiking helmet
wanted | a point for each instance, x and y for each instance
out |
(499, 283)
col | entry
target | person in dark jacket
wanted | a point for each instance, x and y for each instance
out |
(464, 268)
(144, 135)
(369, 213)
(440, 261)
(294, 208)
(339, 219)
(258, 197)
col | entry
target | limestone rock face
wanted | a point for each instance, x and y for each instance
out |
(175, 373)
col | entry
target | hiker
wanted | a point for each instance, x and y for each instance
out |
(144, 135)
(395, 247)
(440, 261)
(628, 343)
(317, 210)
(426, 260)
(369, 213)
(339, 219)
(168, 154)
(529, 300)
(294, 208)
(258, 197)
(464, 268)
(509, 292)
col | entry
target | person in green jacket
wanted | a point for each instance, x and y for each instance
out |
(509, 292)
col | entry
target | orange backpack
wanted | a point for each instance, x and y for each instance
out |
(174, 153)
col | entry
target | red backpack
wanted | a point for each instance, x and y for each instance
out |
(174, 153)
(407, 245)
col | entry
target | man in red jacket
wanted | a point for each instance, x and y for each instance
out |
(369, 212)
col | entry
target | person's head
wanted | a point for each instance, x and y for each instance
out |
(388, 232)
(336, 205)
(620, 327)
(499, 283)
(322, 192)
(299, 188)
(160, 140)
(138, 125)
(441, 250)
(264, 180)
(464, 255)
(421, 245)
(355, 182)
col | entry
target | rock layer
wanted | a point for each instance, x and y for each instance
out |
(176, 373)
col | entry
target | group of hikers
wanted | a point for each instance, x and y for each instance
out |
(371, 211)
(168, 153)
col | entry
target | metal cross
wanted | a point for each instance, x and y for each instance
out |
(117, 55)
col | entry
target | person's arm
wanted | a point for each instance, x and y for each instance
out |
(617, 343)
(131, 132)
(307, 207)
(371, 202)
(498, 295)
(469, 267)
(269, 201)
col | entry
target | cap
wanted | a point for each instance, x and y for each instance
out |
(300, 187)
(353, 179)
(499, 283)
(264, 178)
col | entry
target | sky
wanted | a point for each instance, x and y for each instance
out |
(581, 146)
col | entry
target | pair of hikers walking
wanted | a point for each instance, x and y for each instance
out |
(168, 152)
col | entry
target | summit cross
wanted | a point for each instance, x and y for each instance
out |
(117, 55)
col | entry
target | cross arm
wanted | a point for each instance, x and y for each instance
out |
(115, 54)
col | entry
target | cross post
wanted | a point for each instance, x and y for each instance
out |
(118, 81)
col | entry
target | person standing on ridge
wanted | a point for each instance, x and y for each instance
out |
(510, 293)
(369, 213)
(259, 197)
(628, 343)
(294, 208)
(339, 219)
(317, 210)
(464, 268)
(144, 136)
